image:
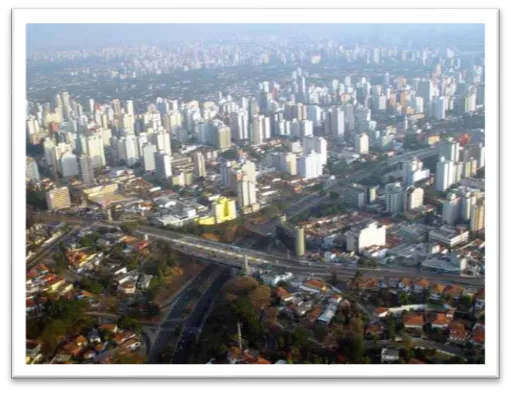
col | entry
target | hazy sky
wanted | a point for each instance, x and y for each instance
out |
(82, 35)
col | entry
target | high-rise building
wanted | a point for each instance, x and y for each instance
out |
(224, 209)
(199, 164)
(58, 198)
(239, 125)
(306, 128)
(261, 129)
(414, 172)
(162, 163)
(468, 200)
(93, 146)
(32, 171)
(310, 166)
(477, 219)
(288, 163)
(317, 144)
(129, 149)
(451, 209)
(470, 103)
(162, 140)
(450, 149)
(248, 168)
(394, 198)
(86, 169)
(222, 137)
(413, 198)
(148, 151)
(246, 191)
(440, 108)
(336, 117)
(365, 235)
(444, 177)
(68, 165)
(362, 143)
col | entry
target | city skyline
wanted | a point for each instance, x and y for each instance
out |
(299, 184)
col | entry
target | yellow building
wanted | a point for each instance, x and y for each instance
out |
(224, 209)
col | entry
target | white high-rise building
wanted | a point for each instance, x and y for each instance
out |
(261, 129)
(128, 149)
(148, 151)
(162, 140)
(288, 163)
(364, 236)
(441, 104)
(248, 168)
(362, 143)
(414, 172)
(93, 146)
(309, 166)
(162, 163)
(246, 191)
(418, 104)
(317, 144)
(68, 165)
(451, 209)
(468, 201)
(32, 171)
(337, 122)
(413, 198)
(477, 219)
(444, 177)
(470, 103)
(394, 198)
(86, 169)
(199, 164)
(450, 149)
(128, 106)
(306, 128)
(239, 125)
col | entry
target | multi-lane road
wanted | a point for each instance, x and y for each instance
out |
(200, 289)
(228, 254)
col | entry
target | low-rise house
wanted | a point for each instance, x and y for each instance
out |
(439, 321)
(144, 281)
(479, 303)
(366, 284)
(303, 308)
(436, 292)
(478, 335)
(374, 331)
(131, 345)
(315, 286)
(389, 355)
(454, 292)
(457, 332)
(128, 288)
(282, 294)
(109, 327)
(405, 284)
(381, 312)
(327, 316)
(420, 285)
(33, 351)
(93, 336)
(413, 321)
(120, 338)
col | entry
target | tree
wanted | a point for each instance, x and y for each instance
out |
(334, 195)
(260, 297)
(403, 298)
(455, 360)
(392, 328)
(270, 211)
(92, 286)
(127, 323)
